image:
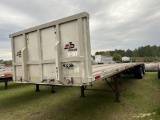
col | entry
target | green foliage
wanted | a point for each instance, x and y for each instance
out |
(104, 53)
(129, 53)
(6, 62)
(145, 59)
(144, 53)
(117, 57)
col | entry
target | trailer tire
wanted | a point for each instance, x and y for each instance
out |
(135, 72)
(143, 69)
(140, 72)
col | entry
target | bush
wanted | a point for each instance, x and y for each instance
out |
(117, 57)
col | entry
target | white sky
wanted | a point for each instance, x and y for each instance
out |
(114, 24)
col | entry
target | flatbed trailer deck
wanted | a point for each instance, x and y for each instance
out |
(108, 70)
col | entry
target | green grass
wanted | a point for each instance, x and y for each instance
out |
(141, 99)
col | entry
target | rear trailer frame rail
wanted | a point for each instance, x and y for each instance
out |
(58, 53)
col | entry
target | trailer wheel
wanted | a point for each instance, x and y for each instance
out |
(140, 72)
(143, 69)
(135, 72)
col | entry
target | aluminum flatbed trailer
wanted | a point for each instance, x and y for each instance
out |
(59, 53)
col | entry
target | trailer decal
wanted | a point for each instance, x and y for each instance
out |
(32, 78)
(70, 47)
(19, 53)
(72, 54)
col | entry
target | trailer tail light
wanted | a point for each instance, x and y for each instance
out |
(97, 77)
(7, 75)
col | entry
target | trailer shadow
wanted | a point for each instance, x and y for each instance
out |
(23, 94)
(11, 85)
(73, 106)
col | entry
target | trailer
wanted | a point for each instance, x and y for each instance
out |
(5, 75)
(59, 53)
(100, 59)
(126, 59)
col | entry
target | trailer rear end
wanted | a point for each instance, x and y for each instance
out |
(56, 53)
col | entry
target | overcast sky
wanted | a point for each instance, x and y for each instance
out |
(114, 24)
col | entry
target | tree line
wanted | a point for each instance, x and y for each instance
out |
(144, 53)
(6, 62)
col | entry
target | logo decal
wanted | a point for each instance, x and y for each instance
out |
(70, 47)
(19, 53)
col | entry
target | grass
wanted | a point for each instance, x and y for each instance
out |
(141, 101)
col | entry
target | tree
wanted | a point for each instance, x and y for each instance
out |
(117, 57)
(129, 53)
(1, 61)
(146, 52)
(104, 53)
(120, 52)
(112, 52)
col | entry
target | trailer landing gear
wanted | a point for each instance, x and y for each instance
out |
(37, 88)
(115, 89)
(5, 80)
(117, 92)
(82, 91)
